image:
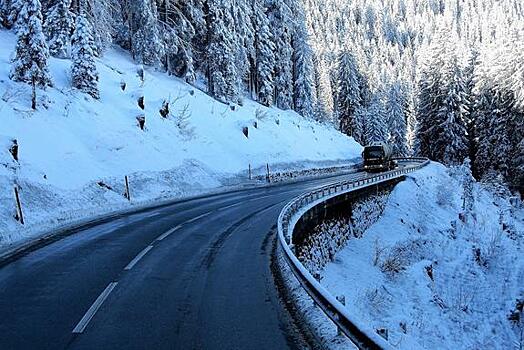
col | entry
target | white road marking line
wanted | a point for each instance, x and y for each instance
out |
(196, 218)
(230, 206)
(262, 197)
(81, 326)
(167, 233)
(138, 257)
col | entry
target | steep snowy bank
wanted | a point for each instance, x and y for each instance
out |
(72, 142)
(432, 280)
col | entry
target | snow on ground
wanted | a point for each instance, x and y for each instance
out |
(432, 280)
(72, 142)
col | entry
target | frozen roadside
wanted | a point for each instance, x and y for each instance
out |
(80, 211)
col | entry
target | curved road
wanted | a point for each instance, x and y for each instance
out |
(191, 275)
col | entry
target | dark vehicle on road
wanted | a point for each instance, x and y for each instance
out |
(378, 157)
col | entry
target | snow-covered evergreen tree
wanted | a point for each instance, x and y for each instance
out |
(58, 27)
(5, 6)
(264, 55)
(31, 52)
(453, 141)
(303, 94)
(375, 128)
(280, 16)
(221, 52)
(83, 70)
(349, 97)
(395, 105)
(242, 13)
(146, 44)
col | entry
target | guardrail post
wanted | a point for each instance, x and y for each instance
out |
(19, 214)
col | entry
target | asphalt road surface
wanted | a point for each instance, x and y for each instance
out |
(191, 275)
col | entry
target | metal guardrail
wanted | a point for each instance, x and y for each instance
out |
(360, 334)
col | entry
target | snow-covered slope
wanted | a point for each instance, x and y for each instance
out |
(432, 280)
(72, 142)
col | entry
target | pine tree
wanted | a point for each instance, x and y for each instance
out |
(84, 72)
(146, 46)
(396, 119)
(221, 52)
(58, 27)
(280, 16)
(4, 13)
(349, 98)
(242, 13)
(375, 128)
(12, 9)
(264, 56)
(31, 52)
(453, 141)
(303, 94)
(105, 21)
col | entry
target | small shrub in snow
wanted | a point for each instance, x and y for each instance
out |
(260, 114)
(397, 258)
(377, 299)
(322, 244)
(443, 195)
(367, 211)
(183, 124)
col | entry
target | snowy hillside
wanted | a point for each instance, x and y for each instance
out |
(434, 280)
(72, 142)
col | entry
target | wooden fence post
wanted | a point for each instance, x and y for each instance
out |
(19, 214)
(127, 194)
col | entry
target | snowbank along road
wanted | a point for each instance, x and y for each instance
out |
(191, 275)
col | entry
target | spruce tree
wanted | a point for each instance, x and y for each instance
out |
(303, 94)
(375, 128)
(264, 55)
(396, 106)
(58, 27)
(280, 16)
(146, 46)
(221, 52)
(31, 52)
(4, 13)
(453, 141)
(84, 72)
(349, 97)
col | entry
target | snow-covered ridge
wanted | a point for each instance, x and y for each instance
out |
(72, 142)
